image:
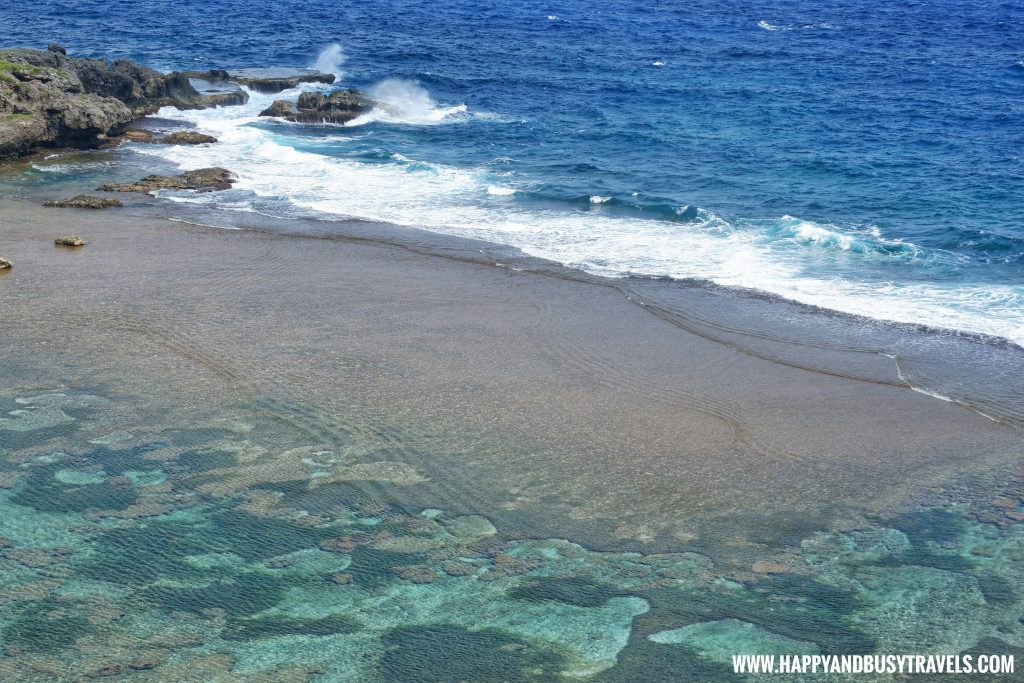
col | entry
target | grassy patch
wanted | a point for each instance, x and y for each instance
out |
(7, 67)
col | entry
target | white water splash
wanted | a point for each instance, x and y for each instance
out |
(402, 101)
(329, 60)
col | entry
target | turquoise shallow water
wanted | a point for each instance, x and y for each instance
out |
(183, 552)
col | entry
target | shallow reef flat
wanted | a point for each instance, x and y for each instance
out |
(181, 552)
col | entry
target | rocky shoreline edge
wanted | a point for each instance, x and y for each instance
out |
(51, 100)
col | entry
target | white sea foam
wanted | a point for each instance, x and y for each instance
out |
(598, 199)
(500, 191)
(767, 255)
(657, 62)
(764, 25)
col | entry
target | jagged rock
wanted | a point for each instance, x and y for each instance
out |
(131, 83)
(278, 108)
(69, 241)
(187, 137)
(201, 180)
(48, 99)
(5, 264)
(54, 47)
(83, 201)
(310, 100)
(44, 104)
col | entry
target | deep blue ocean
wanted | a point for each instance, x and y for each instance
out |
(857, 155)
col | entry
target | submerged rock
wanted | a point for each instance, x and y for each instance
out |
(83, 201)
(201, 180)
(768, 567)
(187, 137)
(69, 241)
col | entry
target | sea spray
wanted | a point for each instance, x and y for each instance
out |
(405, 101)
(330, 59)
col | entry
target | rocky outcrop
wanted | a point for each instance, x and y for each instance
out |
(69, 241)
(44, 104)
(267, 81)
(313, 107)
(5, 264)
(48, 99)
(200, 180)
(83, 201)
